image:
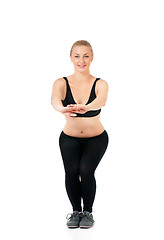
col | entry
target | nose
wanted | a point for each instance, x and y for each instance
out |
(81, 60)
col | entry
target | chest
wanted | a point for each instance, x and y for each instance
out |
(82, 92)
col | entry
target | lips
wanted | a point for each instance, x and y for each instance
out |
(81, 66)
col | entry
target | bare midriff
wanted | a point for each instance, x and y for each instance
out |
(83, 126)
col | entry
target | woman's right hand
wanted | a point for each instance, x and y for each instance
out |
(68, 112)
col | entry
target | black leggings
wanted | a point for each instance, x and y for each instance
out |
(81, 156)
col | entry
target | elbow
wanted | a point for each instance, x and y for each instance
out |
(53, 102)
(53, 105)
(103, 100)
(104, 103)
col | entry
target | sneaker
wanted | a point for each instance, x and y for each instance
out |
(73, 220)
(86, 220)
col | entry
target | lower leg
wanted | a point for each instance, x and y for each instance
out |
(73, 188)
(88, 187)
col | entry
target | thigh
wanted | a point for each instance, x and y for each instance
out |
(71, 153)
(93, 152)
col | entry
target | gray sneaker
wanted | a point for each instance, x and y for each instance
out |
(73, 220)
(86, 220)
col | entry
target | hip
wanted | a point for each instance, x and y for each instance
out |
(101, 139)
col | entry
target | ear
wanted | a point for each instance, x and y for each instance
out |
(71, 58)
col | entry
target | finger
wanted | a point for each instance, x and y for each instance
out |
(73, 114)
(70, 105)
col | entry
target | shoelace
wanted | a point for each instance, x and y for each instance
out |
(88, 216)
(72, 215)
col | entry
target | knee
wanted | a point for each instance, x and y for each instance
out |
(72, 172)
(85, 171)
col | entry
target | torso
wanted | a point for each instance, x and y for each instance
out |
(82, 126)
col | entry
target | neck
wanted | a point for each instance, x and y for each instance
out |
(81, 76)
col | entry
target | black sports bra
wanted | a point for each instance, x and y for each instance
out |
(70, 100)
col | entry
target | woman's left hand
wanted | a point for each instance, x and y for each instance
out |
(78, 108)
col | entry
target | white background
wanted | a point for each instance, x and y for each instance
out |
(127, 39)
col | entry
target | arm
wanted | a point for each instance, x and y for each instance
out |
(57, 95)
(97, 103)
(101, 98)
(57, 92)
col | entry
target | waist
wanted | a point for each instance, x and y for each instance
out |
(84, 138)
(83, 122)
(83, 128)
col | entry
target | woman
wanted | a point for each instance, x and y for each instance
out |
(83, 140)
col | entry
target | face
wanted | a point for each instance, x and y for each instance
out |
(81, 57)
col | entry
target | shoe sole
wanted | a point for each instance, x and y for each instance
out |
(86, 226)
(72, 226)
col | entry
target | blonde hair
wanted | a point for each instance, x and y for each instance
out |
(81, 43)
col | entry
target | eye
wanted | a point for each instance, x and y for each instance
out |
(86, 56)
(76, 56)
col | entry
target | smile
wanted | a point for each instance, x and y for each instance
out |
(81, 66)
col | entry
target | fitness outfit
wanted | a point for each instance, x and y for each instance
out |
(81, 156)
(70, 100)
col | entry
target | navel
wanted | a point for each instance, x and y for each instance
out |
(81, 131)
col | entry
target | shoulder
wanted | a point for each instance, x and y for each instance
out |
(102, 83)
(60, 82)
(58, 88)
(102, 89)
